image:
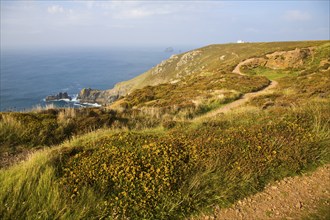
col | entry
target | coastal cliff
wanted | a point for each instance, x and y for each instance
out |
(209, 60)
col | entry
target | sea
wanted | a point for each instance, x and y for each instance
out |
(28, 76)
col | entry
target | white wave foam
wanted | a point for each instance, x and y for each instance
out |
(65, 100)
(76, 101)
(92, 104)
(77, 104)
(74, 98)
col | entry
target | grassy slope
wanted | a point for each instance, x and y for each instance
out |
(180, 171)
(210, 58)
(229, 158)
(206, 81)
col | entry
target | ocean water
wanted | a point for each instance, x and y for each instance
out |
(27, 77)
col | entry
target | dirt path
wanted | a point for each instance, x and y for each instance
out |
(235, 104)
(238, 67)
(290, 198)
(245, 98)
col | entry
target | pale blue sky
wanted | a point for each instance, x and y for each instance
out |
(159, 23)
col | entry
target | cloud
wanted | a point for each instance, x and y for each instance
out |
(133, 14)
(55, 9)
(296, 15)
(136, 13)
(135, 10)
(126, 10)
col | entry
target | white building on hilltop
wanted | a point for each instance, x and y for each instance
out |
(240, 42)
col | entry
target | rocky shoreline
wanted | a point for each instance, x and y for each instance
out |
(88, 95)
(59, 96)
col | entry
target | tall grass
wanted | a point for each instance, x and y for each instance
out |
(31, 191)
(66, 115)
(10, 129)
(171, 171)
(40, 108)
(235, 155)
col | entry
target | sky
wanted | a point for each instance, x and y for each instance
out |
(56, 24)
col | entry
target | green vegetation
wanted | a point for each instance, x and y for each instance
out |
(270, 73)
(198, 94)
(211, 59)
(150, 161)
(49, 127)
(169, 174)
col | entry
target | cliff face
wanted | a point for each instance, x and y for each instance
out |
(207, 60)
(101, 96)
(175, 67)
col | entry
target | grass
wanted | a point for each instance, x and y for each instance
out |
(270, 73)
(194, 95)
(145, 163)
(183, 171)
(38, 175)
(209, 58)
(207, 61)
(21, 132)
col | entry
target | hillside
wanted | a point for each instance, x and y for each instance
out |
(210, 60)
(200, 132)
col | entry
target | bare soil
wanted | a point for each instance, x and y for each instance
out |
(291, 198)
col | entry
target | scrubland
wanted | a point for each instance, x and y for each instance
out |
(146, 158)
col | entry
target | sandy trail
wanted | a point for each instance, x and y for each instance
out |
(235, 104)
(290, 198)
(245, 98)
(237, 69)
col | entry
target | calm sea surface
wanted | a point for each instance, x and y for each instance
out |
(27, 77)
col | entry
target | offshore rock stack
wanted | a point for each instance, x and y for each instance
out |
(59, 96)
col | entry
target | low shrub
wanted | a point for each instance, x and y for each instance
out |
(135, 172)
(171, 175)
(173, 98)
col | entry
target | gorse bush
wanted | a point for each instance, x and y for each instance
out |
(135, 172)
(172, 174)
(175, 174)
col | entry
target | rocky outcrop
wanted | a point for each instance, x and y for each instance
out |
(288, 59)
(280, 60)
(89, 95)
(59, 96)
(160, 67)
(187, 57)
(101, 96)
